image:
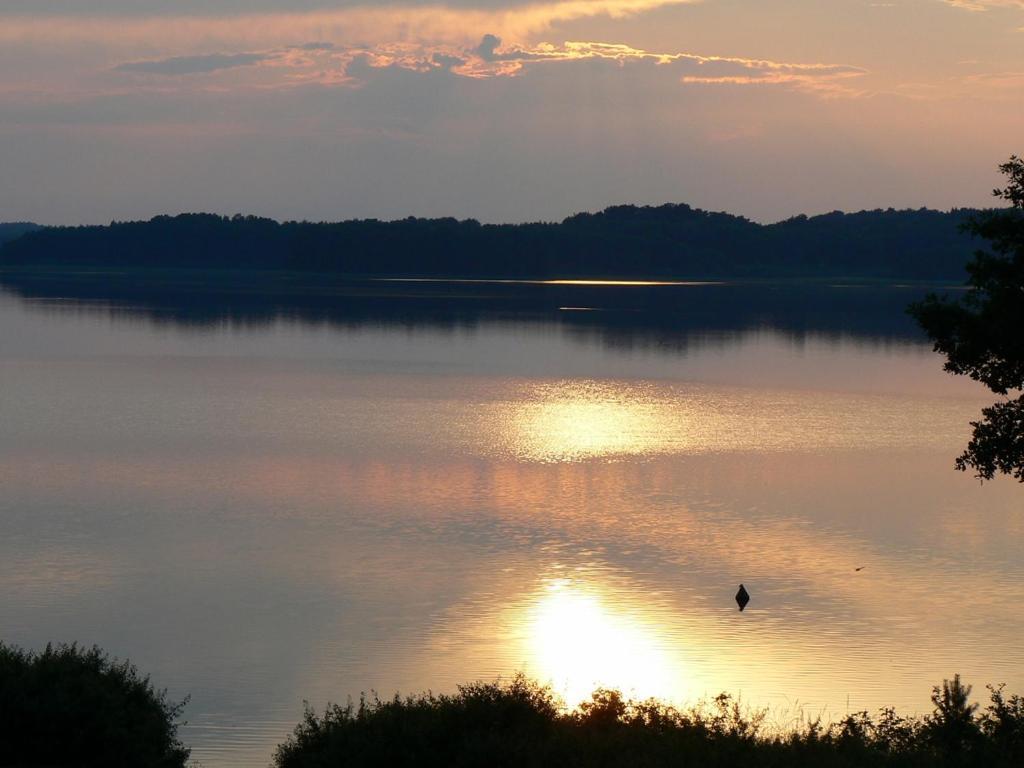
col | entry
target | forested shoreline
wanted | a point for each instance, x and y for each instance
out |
(623, 242)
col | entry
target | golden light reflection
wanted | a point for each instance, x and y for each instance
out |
(589, 283)
(585, 420)
(579, 419)
(631, 283)
(579, 640)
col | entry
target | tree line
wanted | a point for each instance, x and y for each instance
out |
(668, 241)
(14, 230)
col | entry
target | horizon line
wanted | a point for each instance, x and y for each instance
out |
(523, 222)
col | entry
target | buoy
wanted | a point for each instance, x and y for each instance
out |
(742, 597)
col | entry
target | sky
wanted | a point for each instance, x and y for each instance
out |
(502, 110)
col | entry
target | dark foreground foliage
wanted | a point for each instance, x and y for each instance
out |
(523, 724)
(982, 333)
(69, 706)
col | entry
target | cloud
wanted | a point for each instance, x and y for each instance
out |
(984, 5)
(488, 52)
(265, 49)
(996, 83)
(447, 61)
(189, 65)
(488, 46)
(343, 26)
(491, 59)
(354, 66)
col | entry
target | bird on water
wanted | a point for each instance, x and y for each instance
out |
(742, 597)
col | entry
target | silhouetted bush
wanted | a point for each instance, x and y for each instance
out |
(523, 724)
(68, 706)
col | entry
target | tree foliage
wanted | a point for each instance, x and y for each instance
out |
(522, 724)
(70, 706)
(625, 241)
(982, 333)
(14, 230)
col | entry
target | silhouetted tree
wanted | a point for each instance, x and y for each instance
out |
(952, 726)
(69, 706)
(982, 334)
(1003, 724)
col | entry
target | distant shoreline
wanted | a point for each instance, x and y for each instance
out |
(627, 243)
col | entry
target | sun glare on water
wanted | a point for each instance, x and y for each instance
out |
(579, 641)
(572, 422)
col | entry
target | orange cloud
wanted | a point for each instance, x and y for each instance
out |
(349, 25)
(352, 66)
(984, 5)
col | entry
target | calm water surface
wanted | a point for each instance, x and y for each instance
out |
(261, 515)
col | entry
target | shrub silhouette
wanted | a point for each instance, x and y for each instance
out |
(69, 706)
(523, 724)
(1002, 725)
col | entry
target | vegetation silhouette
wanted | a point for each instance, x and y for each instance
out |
(982, 333)
(204, 270)
(14, 230)
(71, 706)
(624, 242)
(521, 723)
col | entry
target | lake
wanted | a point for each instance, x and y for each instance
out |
(263, 505)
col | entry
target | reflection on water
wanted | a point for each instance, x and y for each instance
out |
(261, 516)
(624, 315)
(650, 556)
(571, 420)
(579, 640)
(591, 283)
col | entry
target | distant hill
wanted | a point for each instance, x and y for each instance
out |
(15, 230)
(625, 242)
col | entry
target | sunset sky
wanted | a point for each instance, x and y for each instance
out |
(502, 110)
